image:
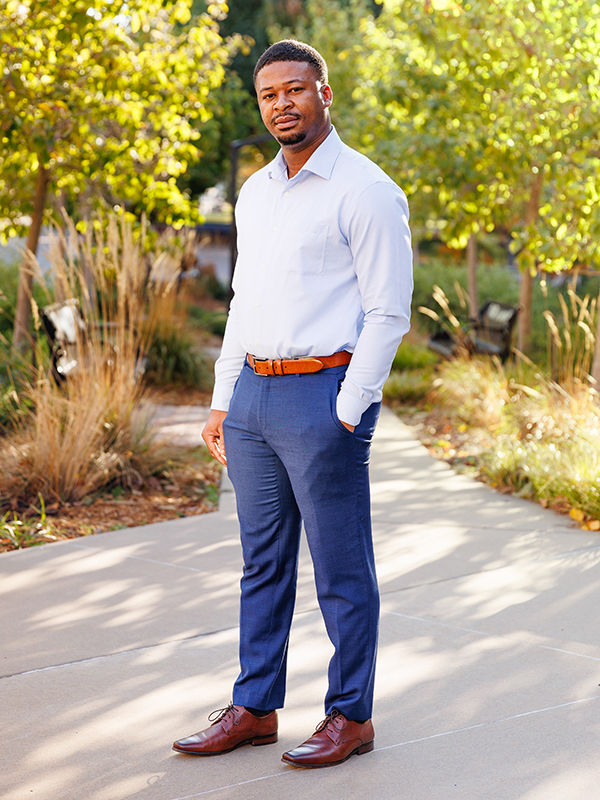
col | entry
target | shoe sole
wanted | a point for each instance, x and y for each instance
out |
(364, 748)
(257, 741)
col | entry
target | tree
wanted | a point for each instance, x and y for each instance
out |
(335, 29)
(97, 105)
(253, 19)
(487, 114)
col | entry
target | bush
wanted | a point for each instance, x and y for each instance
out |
(545, 442)
(171, 359)
(410, 387)
(9, 281)
(14, 404)
(9, 278)
(208, 284)
(413, 355)
(89, 431)
(211, 321)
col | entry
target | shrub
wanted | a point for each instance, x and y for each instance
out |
(171, 359)
(413, 355)
(207, 319)
(90, 431)
(474, 390)
(9, 281)
(410, 386)
(545, 442)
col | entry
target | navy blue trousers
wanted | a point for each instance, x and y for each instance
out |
(291, 460)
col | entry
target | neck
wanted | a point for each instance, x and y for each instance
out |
(297, 155)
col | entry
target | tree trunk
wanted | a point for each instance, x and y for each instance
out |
(23, 310)
(58, 277)
(526, 289)
(472, 277)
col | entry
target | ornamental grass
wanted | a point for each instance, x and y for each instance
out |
(92, 429)
(542, 442)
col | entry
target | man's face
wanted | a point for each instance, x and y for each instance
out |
(293, 104)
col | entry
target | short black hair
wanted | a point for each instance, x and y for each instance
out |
(291, 50)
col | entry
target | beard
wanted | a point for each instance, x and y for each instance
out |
(294, 137)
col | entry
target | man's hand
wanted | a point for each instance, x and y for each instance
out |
(350, 427)
(213, 435)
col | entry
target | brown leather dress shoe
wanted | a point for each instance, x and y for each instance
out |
(333, 742)
(233, 727)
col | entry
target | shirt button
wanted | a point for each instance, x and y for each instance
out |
(287, 194)
(274, 229)
(263, 266)
(256, 305)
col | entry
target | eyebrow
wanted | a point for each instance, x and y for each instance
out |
(293, 80)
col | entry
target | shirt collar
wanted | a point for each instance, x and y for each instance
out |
(320, 163)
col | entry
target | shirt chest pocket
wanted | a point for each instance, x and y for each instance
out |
(306, 247)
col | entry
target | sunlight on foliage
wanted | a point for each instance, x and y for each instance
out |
(104, 98)
(545, 442)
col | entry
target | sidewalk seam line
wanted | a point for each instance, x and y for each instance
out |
(487, 633)
(490, 722)
(137, 558)
(403, 744)
(296, 613)
(232, 785)
(118, 653)
(136, 649)
(487, 571)
(73, 543)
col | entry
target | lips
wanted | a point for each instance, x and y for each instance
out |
(285, 121)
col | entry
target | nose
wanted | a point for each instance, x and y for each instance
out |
(282, 102)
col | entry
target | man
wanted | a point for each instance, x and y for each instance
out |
(322, 299)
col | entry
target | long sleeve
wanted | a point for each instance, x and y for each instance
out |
(379, 238)
(229, 364)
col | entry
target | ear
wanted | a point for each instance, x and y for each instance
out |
(327, 95)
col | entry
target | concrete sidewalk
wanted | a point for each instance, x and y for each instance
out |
(488, 677)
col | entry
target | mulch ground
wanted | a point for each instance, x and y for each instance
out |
(188, 491)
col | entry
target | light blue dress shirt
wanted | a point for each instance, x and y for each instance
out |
(324, 264)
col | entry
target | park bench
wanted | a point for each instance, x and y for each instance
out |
(490, 334)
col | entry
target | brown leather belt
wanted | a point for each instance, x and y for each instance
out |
(297, 366)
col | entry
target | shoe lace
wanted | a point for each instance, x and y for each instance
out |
(329, 718)
(220, 713)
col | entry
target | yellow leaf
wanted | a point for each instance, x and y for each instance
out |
(561, 232)
(594, 525)
(577, 514)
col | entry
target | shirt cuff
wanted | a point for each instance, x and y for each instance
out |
(349, 408)
(221, 398)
